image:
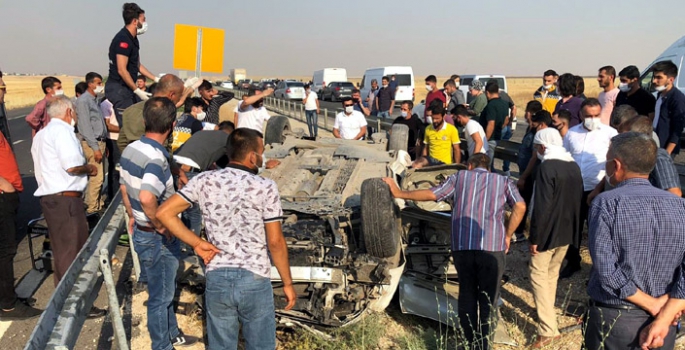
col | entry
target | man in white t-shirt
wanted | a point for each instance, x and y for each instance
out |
(607, 97)
(311, 110)
(349, 124)
(251, 112)
(475, 135)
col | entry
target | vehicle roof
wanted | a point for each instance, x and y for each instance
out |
(394, 68)
(482, 75)
(324, 69)
(674, 52)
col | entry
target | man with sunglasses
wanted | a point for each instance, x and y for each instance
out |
(349, 124)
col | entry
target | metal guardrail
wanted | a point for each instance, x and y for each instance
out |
(60, 324)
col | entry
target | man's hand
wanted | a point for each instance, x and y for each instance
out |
(533, 249)
(507, 243)
(521, 183)
(290, 296)
(268, 92)
(98, 156)
(192, 81)
(393, 186)
(206, 251)
(272, 163)
(142, 94)
(652, 336)
(131, 224)
(92, 169)
(182, 179)
(658, 304)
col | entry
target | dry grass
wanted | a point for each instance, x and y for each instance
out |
(23, 91)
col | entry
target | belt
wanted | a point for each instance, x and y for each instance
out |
(69, 194)
(617, 307)
(190, 169)
(102, 139)
(145, 228)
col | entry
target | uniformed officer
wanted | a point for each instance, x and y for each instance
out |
(124, 62)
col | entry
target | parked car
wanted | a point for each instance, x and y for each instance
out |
(290, 90)
(484, 78)
(227, 85)
(268, 84)
(322, 78)
(336, 91)
(244, 84)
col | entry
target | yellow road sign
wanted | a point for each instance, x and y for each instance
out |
(208, 51)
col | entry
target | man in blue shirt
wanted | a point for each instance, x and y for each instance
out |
(669, 115)
(637, 244)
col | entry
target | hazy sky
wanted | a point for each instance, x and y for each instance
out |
(279, 38)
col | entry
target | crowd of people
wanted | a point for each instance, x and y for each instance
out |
(605, 163)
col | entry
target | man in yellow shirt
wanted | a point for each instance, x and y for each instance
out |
(548, 94)
(441, 139)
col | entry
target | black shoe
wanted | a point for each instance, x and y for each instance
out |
(96, 313)
(568, 271)
(21, 311)
(184, 340)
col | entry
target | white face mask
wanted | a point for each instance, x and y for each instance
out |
(142, 29)
(624, 87)
(660, 88)
(349, 109)
(73, 121)
(201, 116)
(404, 114)
(547, 87)
(261, 167)
(59, 92)
(592, 123)
(99, 89)
(385, 86)
(608, 177)
(429, 88)
(540, 156)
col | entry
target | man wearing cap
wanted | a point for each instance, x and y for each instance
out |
(554, 220)
(479, 100)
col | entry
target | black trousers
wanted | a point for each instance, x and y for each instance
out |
(9, 204)
(113, 156)
(121, 97)
(610, 329)
(573, 252)
(68, 227)
(480, 275)
(527, 194)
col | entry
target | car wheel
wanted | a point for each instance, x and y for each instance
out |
(379, 219)
(333, 99)
(276, 128)
(399, 138)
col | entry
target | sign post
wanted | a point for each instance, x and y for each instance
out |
(198, 49)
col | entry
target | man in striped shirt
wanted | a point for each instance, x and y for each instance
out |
(146, 182)
(479, 239)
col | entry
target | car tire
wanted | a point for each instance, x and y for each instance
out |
(379, 219)
(276, 127)
(333, 97)
(399, 138)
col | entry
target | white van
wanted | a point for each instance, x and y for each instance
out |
(676, 54)
(466, 80)
(326, 76)
(403, 75)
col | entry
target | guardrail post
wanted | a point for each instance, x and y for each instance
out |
(115, 315)
(325, 118)
(378, 123)
(302, 112)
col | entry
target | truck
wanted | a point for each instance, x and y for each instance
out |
(238, 74)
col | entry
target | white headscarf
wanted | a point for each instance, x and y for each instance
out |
(554, 146)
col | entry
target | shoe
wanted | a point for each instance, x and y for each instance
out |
(568, 271)
(21, 311)
(542, 341)
(184, 340)
(95, 312)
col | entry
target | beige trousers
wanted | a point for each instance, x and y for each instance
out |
(544, 275)
(93, 197)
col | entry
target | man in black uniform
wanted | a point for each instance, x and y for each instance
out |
(124, 62)
(632, 94)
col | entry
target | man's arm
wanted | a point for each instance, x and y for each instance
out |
(279, 256)
(252, 99)
(34, 119)
(477, 141)
(317, 106)
(479, 105)
(456, 150)
(149, 203)
(365, 111)
(515, 219)
(417, 195)
(167, 214)
(127, 206)
(85, 128)
(122, 62)
(144, 71)
(6, 186)
(490, 129)
(336, 133)
(88, 169)
(361, 134)
(595, 192)
(676, 125)
(221, 98)
(110, 127)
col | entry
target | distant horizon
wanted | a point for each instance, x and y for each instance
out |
(270, 37)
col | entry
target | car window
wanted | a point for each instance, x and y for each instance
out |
(500, 81)
(347, 85)
(403, 79)
(466, 81)
(295, 84)
(646, 81)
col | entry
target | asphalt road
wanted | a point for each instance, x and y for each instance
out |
(95, 333)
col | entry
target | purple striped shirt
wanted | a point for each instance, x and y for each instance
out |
(478, 216)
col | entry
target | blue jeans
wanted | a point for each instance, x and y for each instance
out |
(312, 123)
(192, 217)
(236, 297)
(384, 115)
(160, 258)
(506, 135)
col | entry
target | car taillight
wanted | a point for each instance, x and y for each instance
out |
(287, 91)
(413, 93)
(337, 88)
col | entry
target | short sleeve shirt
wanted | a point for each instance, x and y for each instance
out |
(253, 118)
(349, 126)
(471, 128)
(440, 142)
(127, 45)
(235, 205)
(497, 110)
